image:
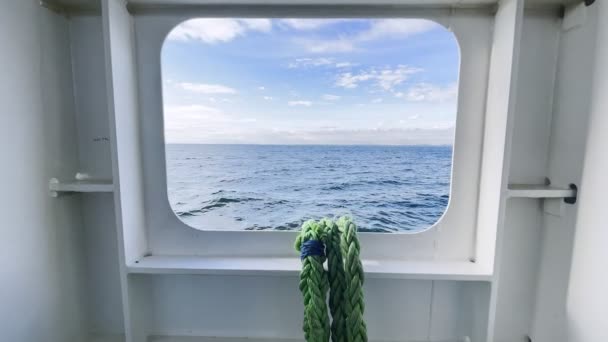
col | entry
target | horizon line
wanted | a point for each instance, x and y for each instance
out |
(279, 144)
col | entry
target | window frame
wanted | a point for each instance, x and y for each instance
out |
(453, 237)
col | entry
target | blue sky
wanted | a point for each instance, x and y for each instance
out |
(310, 81)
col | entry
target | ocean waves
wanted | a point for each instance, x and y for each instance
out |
(252, 187)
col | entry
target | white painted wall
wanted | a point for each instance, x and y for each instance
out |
(48, 294)
(271, 307)
(520, 238)
(398, 310)
(569, 123)
(41, 259)
(549, 133)
(104, 308)
(587, 295)
(265, 307)
(124, 117)
(498, 122)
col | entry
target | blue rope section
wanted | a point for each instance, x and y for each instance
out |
(312, 248)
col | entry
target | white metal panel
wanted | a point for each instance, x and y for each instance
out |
(89, 95)
(41, 255)
(447, 323)
(449, 312)
(500, 105)
(475, 300)
(568, 137)
(539, 191)
(124, 127)
(388, 269)
(497, 142)
(413, 2)
(104, 305)
(55, 186)
(399, 310)
(270, 308)
(572, 97)
(513, 292)
(532, 119)
(123, 107)
(587, 295)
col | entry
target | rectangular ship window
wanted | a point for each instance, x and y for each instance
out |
(270, 122)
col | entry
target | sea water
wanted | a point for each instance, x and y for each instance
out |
(277, 187)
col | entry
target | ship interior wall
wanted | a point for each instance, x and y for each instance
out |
(61, 267)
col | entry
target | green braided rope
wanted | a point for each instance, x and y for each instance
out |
(314, 286)
(354, 306)
(344, 277)
(337, 281)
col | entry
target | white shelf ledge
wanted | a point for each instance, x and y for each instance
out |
(539, 191)
(173, 338)
(217, 339)
(428, 270)
(56, 187)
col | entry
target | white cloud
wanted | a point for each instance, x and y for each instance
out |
(198, 123)
(329, 46)
(262, 25)
(349, 80)
(309, 24)
(182, 117)
(380, 135)
(400, 28)
(378, 100)
(261, 88)
(378, 29)
(215, 30)
(318, 62)
(344, 65)
(248, 132)
(204, 88)
(389, 78)
(386, 78)
(268, 98)
(204, 124)
(330, 97)
(300, 103)
(425, 92)
(310, 62)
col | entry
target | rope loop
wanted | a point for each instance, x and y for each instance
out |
(336, 243)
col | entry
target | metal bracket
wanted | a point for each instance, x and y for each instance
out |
(53, 188)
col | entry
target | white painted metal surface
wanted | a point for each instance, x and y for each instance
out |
(56, 187)
(539, 191)
(461, 3)
(41, 253)
(498, 123)
(123, 110)
(587, 295)
(567, 149)
(67, 281)
(390, 269)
